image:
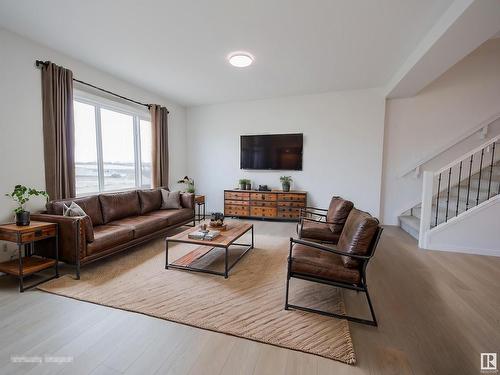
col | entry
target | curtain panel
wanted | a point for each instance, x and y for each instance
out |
(159, 167)
(58, 131)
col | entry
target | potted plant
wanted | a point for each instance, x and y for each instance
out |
(243, 183)
(189, 182)
(285, 182)
(21, 195)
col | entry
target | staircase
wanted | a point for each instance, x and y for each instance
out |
(458, 187)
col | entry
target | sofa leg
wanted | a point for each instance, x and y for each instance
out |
(286, 293)
(77, 270)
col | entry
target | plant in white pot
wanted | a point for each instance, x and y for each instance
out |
(21, 195)
(189, 182)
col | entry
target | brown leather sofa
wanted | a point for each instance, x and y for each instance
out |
(114, 222)
(324, 225)
(342, 265)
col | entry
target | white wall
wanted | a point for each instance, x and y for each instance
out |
(475, 233)
(21, 139)
(343, 140)
(416, 127)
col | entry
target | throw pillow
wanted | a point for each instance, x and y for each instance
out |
(75, 210)
(170, 199)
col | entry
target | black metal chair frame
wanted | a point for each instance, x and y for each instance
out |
(361, 287)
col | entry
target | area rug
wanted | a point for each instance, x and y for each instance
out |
(248, 304)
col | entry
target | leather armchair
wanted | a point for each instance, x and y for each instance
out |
(324, 225)
(341, 266)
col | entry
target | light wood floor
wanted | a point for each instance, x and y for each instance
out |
(437, 312)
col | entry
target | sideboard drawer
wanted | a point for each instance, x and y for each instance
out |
(263, 197)
(292, 204)
(237, 203)
(289, 212)
(236, 195)
(263, 211)
(293, 197)
(263, 203)
(231, 210)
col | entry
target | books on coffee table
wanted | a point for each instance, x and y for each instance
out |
(201, 235)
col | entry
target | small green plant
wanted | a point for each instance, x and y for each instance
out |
(189, 182)
(285, 182)
(286, 179)
(21, 195)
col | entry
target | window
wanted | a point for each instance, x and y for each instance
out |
(112, 147)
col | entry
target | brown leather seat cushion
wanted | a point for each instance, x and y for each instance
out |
(173, 216)
(318, 231)
(318, 263)
(141, 225)
(357, 235)
(338, 211)
(117, 206)
(150, 200)
(106, 236)
(90, 205)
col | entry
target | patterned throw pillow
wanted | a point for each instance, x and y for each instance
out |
(170, 199)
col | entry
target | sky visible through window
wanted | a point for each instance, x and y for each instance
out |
(120, 169)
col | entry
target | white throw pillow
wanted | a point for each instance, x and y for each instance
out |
(170, 199)
(73, 210)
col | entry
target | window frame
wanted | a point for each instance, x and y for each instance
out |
(137, 115)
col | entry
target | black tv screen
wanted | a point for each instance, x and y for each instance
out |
(273, 151)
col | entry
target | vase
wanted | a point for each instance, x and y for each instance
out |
(248, 186)
(286, 187)
(23, 218)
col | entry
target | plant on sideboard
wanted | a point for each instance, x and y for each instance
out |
(245, 184)
(189, 182)
(285, 182)
(21, 195)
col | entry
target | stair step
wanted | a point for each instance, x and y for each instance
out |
(410, 224)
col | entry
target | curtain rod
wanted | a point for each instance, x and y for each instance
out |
(40, 62)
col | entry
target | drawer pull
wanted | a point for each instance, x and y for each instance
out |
(38, 233)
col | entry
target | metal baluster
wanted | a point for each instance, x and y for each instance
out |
(458, 187)
(437, 200)
(479, 181)
(491, 168)
(448, 196)
(468, 183)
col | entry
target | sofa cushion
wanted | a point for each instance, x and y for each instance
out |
(117, 206)
(173, 216)
(150, 200)
(337, 214)
(357, 235)
(107, 236)
(318, 231)
(318, 263)
(141, 225)
(90, 205)
(170, 199)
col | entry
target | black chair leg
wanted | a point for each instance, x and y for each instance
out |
(371, 308)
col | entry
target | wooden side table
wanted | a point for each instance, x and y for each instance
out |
(200, 201)
(29, 263)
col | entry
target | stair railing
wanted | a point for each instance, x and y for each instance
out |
(476, 167)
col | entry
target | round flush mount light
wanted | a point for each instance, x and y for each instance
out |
(240, 59)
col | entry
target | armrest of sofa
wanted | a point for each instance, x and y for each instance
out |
(71, 235)
(329, 249)
(187, 200)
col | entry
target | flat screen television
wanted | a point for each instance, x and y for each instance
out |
(271, 151)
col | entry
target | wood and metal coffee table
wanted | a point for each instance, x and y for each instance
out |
(225, 240)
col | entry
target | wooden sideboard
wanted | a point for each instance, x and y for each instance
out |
(274, 204)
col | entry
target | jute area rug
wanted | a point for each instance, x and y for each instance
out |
(248, 304)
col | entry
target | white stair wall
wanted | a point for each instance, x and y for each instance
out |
(477, 232)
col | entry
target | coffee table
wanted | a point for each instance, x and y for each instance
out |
(225, 240)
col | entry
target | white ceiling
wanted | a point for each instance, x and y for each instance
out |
(178, 48)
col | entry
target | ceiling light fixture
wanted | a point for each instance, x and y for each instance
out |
(240, 59)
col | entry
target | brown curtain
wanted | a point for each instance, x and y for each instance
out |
(58, 131)
(159, 123)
